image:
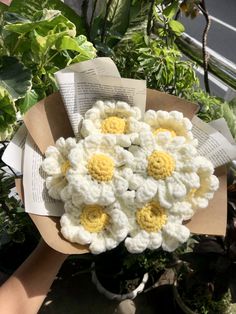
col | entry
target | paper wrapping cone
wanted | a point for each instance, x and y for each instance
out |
(47, 121)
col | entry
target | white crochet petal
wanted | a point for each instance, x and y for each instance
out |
(200, 202)
(214, 183)
(138, 243)
(189, 179)
(139, 165)
(65, 145)
(147, 191)
(120, 226)
(126, 173)
(71, 210)
(52, 166)
(162, 115)
(55, 186)
(127, 198)
(150, 117)
(98, 142)
(155, 240)
(177, 115)
(52, 151)
(176, 188)
(204, 166)
(162, 196)
(136, 126)
(98, 244)
(147, 141)
(135, 181)
(136, 113)
(124, 140)
(187, 124)
(110, 243)
(93, 113)
(182, 209)
(122, 106)
(122, 157)
(72, 231)
(86, 190)
(107, 195)
(108, 107)
(88, 128)
(120, 184)
(76, 156)
(173, 235)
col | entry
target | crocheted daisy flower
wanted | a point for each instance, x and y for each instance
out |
(152, 226)
(100, 227)
(96, 163)
(117, 118)
(163, 169)
(56, 165)
(209, 183)
(172, 122)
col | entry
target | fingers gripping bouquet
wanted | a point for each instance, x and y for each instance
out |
(129, 178)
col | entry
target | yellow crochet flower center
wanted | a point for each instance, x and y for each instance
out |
(151, 217)
(65, 167)
(160, 165)
(101, 167)
(157, 131)
(94, 218)
(113, 125)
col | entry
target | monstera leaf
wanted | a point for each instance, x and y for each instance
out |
(14, 77)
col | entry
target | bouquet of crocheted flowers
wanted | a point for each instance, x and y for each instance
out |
(129, 179)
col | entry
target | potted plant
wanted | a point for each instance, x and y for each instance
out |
(206, 276)
(121, 275)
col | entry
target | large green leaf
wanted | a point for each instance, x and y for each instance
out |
(79, 44)
(44, 21)
(119, 15)
(171, 9)
(7, 110)
(14, 77)
(30, 99)
(176, 27)
(30, 7)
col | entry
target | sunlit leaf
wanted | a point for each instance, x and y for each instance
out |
(30, 99)
(176, 27)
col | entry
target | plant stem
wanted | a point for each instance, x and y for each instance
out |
(17, 44)
(92, 18)
(85, 13)
(150, 15)
(54, 55)
(205, 55)
(103, 32)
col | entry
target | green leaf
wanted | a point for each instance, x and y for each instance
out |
(30, 99)
(43, 21)
(30, 7)
(79, 44)
(7, 110)
(171, 10)
(3, 7)
(119, 15)
(176, 27)
(14, 77)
